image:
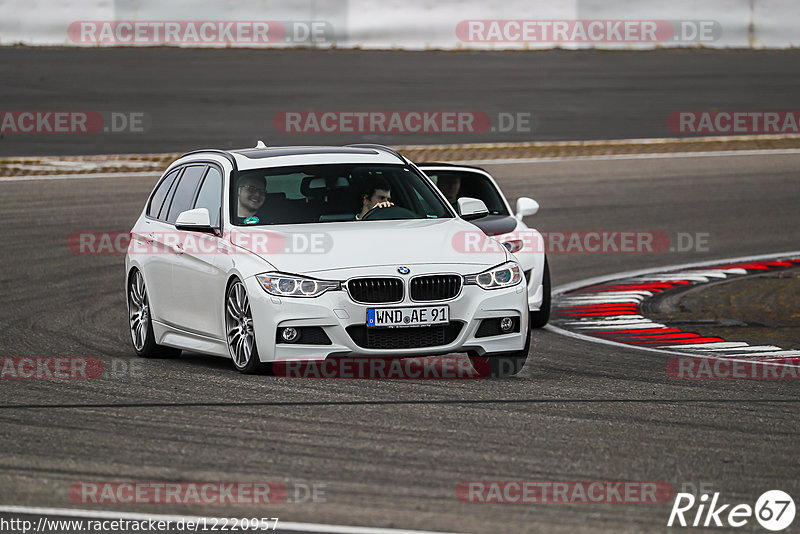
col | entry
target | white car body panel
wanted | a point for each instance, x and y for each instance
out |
(388, 242)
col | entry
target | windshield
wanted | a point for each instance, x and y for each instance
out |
(457, 184)
(332, 193)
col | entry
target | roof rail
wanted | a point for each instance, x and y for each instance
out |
(224, 153)
(381, 147)
(445, 164)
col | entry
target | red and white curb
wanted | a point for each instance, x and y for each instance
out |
(608, 309)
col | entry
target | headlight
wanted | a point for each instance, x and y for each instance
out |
(514, 245)
(286, 285)
(506, 275)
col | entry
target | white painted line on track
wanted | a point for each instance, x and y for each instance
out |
(310, 528)
(778, 354)
(499, 161)
(642, 325)
(721, 346)
(612, 142)
(560, 290)
(660, 155)
(87, 176)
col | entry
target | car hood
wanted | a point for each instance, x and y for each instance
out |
(317, 248)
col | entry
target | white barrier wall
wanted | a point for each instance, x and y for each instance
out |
(408, 24)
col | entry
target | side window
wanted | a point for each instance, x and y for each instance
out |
(210, 196)
(184, 192)
(425, 204)
(160, 194)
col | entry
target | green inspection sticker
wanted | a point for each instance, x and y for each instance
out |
(251, 220)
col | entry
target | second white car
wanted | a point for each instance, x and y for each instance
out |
(504, 225)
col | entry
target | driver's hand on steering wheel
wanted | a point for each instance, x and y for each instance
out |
(384, 204)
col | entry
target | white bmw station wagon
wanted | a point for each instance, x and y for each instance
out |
(291, 254)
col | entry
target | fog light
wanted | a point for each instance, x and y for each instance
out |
(506, 324)
(289, 334)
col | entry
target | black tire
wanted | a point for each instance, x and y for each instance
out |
(502, 365)
(240, 332)
(540, 318)
(141, 327)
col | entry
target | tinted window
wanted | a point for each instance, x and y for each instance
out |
(288, 184)
(469, 184)
(161, 193)
(210, 195)
(184, 192)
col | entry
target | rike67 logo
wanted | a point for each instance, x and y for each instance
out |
(774, 510)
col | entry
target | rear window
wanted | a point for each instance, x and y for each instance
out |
(160, 195)
(184, 192)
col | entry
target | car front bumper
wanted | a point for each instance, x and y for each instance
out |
(344, 322)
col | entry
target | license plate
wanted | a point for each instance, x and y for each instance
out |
(406, 317)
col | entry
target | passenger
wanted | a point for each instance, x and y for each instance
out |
(450, 186)
(377, 194)
(251, 195)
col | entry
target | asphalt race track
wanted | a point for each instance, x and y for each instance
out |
(193, 99)
(391, 453)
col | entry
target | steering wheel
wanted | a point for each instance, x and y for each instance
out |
(392, 212)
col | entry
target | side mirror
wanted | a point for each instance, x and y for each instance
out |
(526, 206)
(196, 220)
(471, 208)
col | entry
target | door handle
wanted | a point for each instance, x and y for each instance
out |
(143, 238)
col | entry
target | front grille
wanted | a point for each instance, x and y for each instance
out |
(435, 287)
(375, 290)
(404, 338)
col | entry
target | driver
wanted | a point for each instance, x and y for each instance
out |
(377, 194)
(251, 193)
(450, 186)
